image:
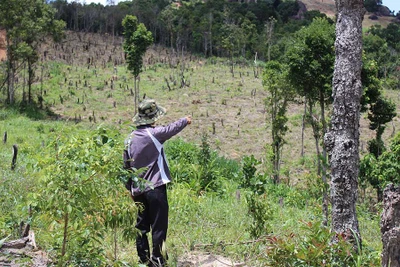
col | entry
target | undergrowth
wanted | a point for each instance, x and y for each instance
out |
(243, 215)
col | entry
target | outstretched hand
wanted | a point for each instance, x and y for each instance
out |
(189, 119)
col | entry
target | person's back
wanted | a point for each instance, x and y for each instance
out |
(145, 153)
(145, 150)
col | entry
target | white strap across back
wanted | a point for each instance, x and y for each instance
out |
(160, 161)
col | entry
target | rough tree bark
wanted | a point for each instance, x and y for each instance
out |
(390, 227)
(342, 140)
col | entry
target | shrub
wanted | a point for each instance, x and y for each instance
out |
(249, 178)
(311, 248)
(80, 195)
(260, 214)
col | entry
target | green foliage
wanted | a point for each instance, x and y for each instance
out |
(376, 48)
(378, 171)
(26, 25)
(199, 167)
(276, 104)
(372, 5)
(366, 174)
(208, 175)
(287, 9)
(382, 111)
(260, 212)
(202, 222)
(390, 34)
(371, 83)
(249, 178)
(311, 58)
(388, 166)
(313, 248)
(137, 40)
(80, 194)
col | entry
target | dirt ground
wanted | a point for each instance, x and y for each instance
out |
(23, 257)
(2, 45)
(200, 259)
(26, 257)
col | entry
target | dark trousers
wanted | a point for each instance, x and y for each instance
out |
(154, 217)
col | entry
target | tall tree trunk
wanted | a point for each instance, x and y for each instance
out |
(390, 227)
(316, 133)
(303, 127)
(136, 94)
(31, 76)
(325, 199)
(342, 141)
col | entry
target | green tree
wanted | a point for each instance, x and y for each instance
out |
(380, 109)
(380, 112)
(80, 194)
(137, 40)
(382, 170)
(372, 5)
(311, 59)
(391, 34)
(26, 24)
(280, 93)
(387, 169)
(376, 48)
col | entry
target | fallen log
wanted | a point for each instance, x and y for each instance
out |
(28, 241)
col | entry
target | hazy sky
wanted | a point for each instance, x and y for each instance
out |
(392, 5)
(103, 2)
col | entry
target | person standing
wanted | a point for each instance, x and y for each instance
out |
(144, 149)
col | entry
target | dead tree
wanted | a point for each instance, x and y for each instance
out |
(14, 158)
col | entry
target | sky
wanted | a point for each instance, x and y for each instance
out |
(103, 2)
(392, 5)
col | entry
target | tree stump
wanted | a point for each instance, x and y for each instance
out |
(390, 227)
(14, 158)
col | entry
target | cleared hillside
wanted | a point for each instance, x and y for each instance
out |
(329, 8)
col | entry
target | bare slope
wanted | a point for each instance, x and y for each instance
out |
(328, 7)
(229, 107)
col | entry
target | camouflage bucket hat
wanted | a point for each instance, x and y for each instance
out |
(148, 112)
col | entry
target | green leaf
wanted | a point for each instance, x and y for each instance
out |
(69, 209)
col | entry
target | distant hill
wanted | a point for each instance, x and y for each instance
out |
(329, 8)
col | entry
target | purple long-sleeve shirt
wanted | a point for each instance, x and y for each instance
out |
(144, 153)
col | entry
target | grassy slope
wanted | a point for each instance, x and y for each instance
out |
(214, 96)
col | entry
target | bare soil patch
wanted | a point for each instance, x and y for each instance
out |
(329, 8)
(11, 257)
(3, 52)
(324, 6)
(201, 259)
(23, 257)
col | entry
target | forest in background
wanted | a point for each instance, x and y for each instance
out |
(83, 80)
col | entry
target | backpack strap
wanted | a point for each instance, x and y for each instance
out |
(161, 157)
